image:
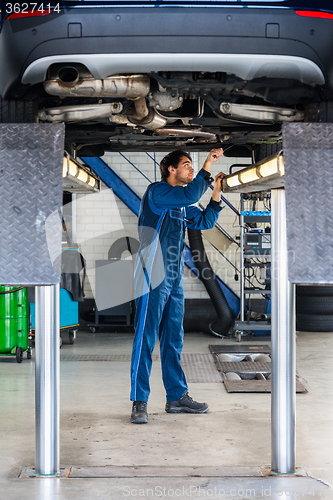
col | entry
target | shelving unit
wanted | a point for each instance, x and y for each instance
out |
(253, 245)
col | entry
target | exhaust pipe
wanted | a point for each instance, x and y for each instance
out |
(70, 82)
(152, 121)
(68, 76)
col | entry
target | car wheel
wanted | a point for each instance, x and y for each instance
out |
(18, 111)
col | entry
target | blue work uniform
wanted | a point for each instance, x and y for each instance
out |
(165, 211)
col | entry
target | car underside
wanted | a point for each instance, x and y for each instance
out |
(166, 110)
(126, 78)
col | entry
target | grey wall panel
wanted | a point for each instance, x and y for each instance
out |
(31, 157)
(308, 157)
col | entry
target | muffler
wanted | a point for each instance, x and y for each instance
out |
(70, 82)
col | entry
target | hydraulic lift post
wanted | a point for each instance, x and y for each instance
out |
(283, 398)
(47, 380)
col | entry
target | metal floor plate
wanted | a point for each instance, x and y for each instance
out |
(99, 357)
(239, 349)
(200, 368)
(256, 386)
(246, 369)
(146, 471)
(244, 366)
(199, 482)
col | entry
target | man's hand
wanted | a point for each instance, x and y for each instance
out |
(213, 156)
(216, 196)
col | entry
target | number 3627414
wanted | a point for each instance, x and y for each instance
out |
(30, 8)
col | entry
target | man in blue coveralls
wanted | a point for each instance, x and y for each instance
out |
(167, 207)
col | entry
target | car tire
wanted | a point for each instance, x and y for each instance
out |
(18, 111)
(263, 151)
(314, 291)
(314, 305)
(321, 111)
(314, 323)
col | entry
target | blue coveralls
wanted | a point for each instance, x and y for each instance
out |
(165, 211)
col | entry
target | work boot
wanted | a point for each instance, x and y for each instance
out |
(139, 413)
(186, 405)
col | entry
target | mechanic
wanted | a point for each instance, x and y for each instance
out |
(167, 207)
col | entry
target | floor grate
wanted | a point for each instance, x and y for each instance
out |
(200, 368)
(252, 373)
(245, 366)
(99, 357)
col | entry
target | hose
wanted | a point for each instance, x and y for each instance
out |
(196, 325)
(225, 317)
(122, 244)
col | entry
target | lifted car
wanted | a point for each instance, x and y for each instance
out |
(158, 74)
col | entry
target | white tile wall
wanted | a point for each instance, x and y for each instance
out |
(102, 218)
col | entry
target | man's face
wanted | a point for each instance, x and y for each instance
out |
(184, 172)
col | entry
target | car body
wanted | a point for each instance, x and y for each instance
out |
(155, 75)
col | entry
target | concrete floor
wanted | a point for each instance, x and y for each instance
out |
(96, 430)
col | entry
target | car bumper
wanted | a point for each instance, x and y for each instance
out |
(249, 43)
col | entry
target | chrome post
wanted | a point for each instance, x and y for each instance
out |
(283, 401)
(47, 379)
(241, 264)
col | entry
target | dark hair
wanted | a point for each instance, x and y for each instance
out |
(172, 160)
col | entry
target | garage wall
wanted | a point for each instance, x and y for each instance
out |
(102, 218)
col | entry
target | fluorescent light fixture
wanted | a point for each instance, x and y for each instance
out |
(272, 167)
(262, 176)
(233, 181)
(248, 176)
(72, 168)
(92, 181)
(76, 178)
(82, 176)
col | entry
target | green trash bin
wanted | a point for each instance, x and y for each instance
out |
(14, 323)
(23, 319)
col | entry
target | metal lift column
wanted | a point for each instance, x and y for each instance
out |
(47, 379)
(31, 158)
(283, 399)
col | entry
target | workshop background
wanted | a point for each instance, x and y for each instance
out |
(102, 218)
